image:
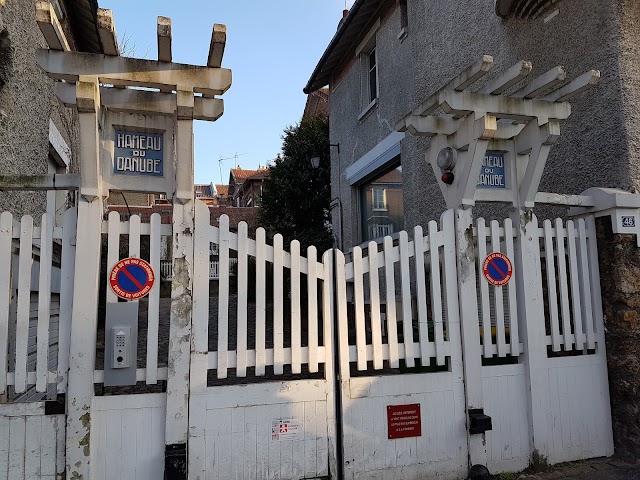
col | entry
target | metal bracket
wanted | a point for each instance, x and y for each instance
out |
(478, 421)
(55, 407)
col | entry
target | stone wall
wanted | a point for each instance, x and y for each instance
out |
(26, 105)
(619, 258)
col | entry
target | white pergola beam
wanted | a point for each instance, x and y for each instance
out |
(428, 126)
(581, 84)
(509, 78)
(50, 27)
(519, 109)
(544, 82)
(69, 66)
(218, 43)
(164, 39)
(484, 128)
(144, 102)
(472, 74)
(107, 32)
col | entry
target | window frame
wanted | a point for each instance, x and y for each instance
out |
(364, 51)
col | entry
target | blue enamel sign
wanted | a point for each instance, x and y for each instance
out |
(492, 174)
(137, 153)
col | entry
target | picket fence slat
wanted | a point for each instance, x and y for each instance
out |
(153, 319)
(594, 271)
(68, 263)
(44, 302)
(436, 295)
(312, 308)
(343, 328)
(296, 331)
(498, 296)
(113, 250)
(278, 299)
(407, 324)
(200, 308)
(374, 304)
(421, 292)
(223, 297)
(551, 286)
(392, 325)
(24, 300)
(489, 349)
(575, 285)
(261, 300)
(6, 234)
(243, 280)
(328, 315)
(134, 236)
(585, 284)
(563, 281)
(358, 293)
(514, 332)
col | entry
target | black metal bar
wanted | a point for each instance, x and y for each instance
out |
(337, 377)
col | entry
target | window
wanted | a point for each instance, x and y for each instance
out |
(368, 57)
(382, 204)
(379, 202)
(373, 75)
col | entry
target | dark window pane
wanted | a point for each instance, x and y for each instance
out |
(382, 205)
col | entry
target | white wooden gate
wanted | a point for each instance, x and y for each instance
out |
(36, 281)
(277, 429)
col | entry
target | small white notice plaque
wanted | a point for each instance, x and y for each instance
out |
(285, 429)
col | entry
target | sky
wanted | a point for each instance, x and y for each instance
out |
(272, 48)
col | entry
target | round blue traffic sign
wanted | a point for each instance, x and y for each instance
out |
(131, 278)
(497, 269)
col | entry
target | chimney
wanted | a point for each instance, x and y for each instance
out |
(345, 12)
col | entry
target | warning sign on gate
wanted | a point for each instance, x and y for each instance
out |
(285, 429)
(403, 421)
(497, 269)
(131, 278)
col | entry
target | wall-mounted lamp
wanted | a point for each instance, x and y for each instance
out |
(447, 158)
(315, 160)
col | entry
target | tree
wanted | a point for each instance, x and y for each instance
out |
(296, 196)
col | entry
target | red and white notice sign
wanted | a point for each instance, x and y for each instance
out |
(404, 421)
(285, 429)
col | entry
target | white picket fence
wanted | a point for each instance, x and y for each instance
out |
(166, 269)
(135, 230)
(20, 243)
(397, 310)
(431, 256)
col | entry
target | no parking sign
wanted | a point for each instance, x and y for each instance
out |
(131, 278)
(497, 269)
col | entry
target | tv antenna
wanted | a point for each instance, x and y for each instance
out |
(220, 160)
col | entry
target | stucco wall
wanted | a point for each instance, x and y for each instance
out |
(26, 104)
(445, 36)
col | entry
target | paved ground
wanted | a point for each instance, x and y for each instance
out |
(598, 469)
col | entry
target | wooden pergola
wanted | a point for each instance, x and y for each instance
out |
(523, 125)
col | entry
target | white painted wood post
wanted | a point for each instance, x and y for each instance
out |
(177, 420)
(528, 275)
(84, 317)
(470, 328)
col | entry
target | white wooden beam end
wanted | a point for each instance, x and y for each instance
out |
(544, 82)
(218, 42)
(50, 27)
(107, 32)
(509, 78)
(581, 84)
(164, 39)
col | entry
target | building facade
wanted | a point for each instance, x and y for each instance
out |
(389, 55)
(38, 135)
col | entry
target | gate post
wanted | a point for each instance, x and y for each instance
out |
(84, 317)
(532, 322)
(470, 328)
(177, 419)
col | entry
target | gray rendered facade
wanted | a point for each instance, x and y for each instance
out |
(599, 145)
